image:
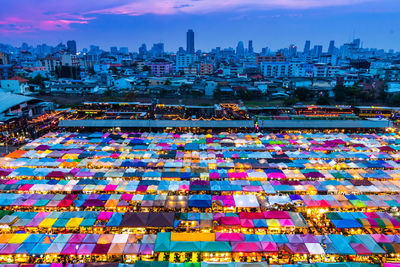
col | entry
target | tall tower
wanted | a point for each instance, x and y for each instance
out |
(190, 42)
(251, 49)
(71, 46)
(331, 48)
(307, 47)
(240, 49)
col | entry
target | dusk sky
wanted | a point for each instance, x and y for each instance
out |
(272, 23)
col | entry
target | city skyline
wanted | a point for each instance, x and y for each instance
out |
(274, 24)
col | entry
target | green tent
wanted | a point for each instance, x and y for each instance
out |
(216, 246)
(185, 246)
(162, 242)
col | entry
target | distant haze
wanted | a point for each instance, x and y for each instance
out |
(272, 23)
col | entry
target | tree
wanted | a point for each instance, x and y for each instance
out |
(383, 93)
(130, 96)
(108, 92)
(244, 94)
(217, 92)
(323, 101)
(146, 68)
(302, 93)
(290, 101)
(38, 80)
(395, 100)
(340, 92)
(185, 88)
(167, 82)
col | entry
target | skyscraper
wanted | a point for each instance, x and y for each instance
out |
(190, 42)
(157, 50)
(142, 49)
(331, 49)
(240, 49)
(357, 43)
(71, 46)
(317, 50)
(292, 50)
(114, 50)
(251, 49)
(307, 47)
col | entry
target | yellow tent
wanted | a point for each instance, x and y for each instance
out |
(47, 223)
(74, 222)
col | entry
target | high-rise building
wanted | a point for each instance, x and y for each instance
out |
(190, 42)
(292, 50)
(142, 49)
(331, 49)
(317, 50)
(114, 50)
(307, 47)
(158, 50)
(124, 50)
(3, 59)
(357, 43)
(71, 46)
(251, 49)
(240, 49)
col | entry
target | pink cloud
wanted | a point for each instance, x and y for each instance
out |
(56, 15)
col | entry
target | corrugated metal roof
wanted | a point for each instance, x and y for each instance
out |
(156, 123)
(8, 100)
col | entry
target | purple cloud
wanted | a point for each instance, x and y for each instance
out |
(55, 15)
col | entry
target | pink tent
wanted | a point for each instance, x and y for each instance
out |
(85, 249)
(183, 187)
(9, 249)
(371, 215)
(77, 238)
(380, 238)
(286, 222)
(232, 237)
(269, 246)
(247, 223)
(246, 247)
(25, 187)
(105, 215)
(70, 249)
(360, 249)
(214, 175)
(229, 220)
(110, 187)
(276, 214)
(126, 197)
(251, 215)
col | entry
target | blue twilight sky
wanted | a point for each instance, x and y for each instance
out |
(272, 23)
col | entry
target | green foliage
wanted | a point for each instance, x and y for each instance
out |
(130, 96)
(323, 101)
(395, 100)
(290, 101)
(349, 95)
(108, 92)
(302, 93)
(38, 80)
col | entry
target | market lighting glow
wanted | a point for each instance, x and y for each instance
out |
(169, 197)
